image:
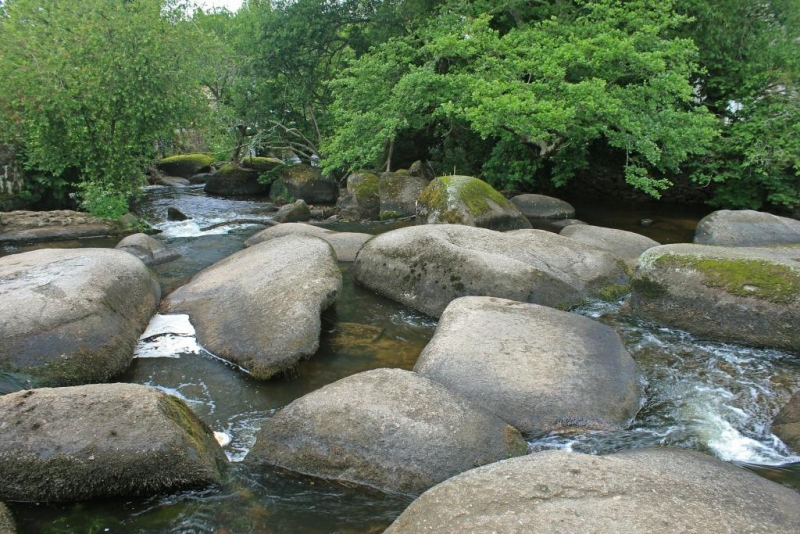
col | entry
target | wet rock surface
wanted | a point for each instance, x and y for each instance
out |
(105, 440)
(386, 428)
(654, 491)
(72, 316)
(260, 308)
(148, 249)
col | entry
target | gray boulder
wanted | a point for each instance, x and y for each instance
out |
(150, 250)
(260, 307)
(399, 193)
(345, 244)
(387, 428)
(105, 440)
(306, 182)
(657, 491)
(58, 225)
(232, 180)
(72, 316)
(426, 267)
(297, 211)
(469, 201)
(746, 228)
(621, 244)
(7, 525)
(786, 424)
(543, 207)
(170, 181)
(537, 368)
(749, 295)
(362, 201)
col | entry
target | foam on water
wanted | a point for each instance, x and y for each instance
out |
(194, 227)
(167, 336)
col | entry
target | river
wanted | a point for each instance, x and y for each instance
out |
(714, 397)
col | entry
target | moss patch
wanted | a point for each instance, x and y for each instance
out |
(743, 277)
(261, 164)
(185, 165)
(614, 292)
(386, 215)
(648, 288)
(472, 193)
(367, 187)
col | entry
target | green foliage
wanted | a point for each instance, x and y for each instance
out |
(92, 86)
(751, 75)
(540, 91)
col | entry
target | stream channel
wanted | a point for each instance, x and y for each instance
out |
(714, 397)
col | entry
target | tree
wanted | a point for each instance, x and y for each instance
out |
(750, 78)
(539, 91)
(90, 86)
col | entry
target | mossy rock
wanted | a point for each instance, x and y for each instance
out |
(186, 165)
(232, 180)
(304, 182)
(469, 201)
(747, 295)
(362, 201)
(399, 193)
(261, 164)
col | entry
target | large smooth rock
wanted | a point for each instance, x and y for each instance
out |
(345, 244)
(297, 211)
(304, 182)
(148, 249)
(72, 316)
(470, 201)
(105, 440)
(7, 525)
(387, 428)
(543, 207)
(30, 226)
(537, 368)
(655, 491)
(260, 307)
(786, 424)
(746, 228)
(743, 294)
(425, 267)
(399, 193)
(362, 201)
(621, 244)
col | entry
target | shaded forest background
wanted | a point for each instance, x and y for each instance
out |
(524, 94)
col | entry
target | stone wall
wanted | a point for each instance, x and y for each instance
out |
(10, 179)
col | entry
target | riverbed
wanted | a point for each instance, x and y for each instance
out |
(714, 397)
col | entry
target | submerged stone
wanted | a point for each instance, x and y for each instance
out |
(749, 295)
(386, 428)
(72, 316)
(105, 440)
(537, 368)
(658, 491)
(260, 308)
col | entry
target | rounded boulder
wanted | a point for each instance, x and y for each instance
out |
(537, 368)
(386, 428)
(104, 440)
(656, 491)
(345, 244)
(746, 228)
(72, 316)
(260, 308)
(621, 244)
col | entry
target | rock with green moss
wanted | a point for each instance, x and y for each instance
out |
(654, 491)
(425, 267)
(469, 201)
(185, 165)
(627, 246)
(362, 201)
(260, 308)
(305, 182)
(743, 294)
(72, 316)
(399, 193)
(386, 428)
(245, 179)
(786, 424)
(7, 525)
(537, 368)
(746, 228)
(105, 440)
(345, 244)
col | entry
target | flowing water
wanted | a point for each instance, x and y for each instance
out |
(714, 397)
